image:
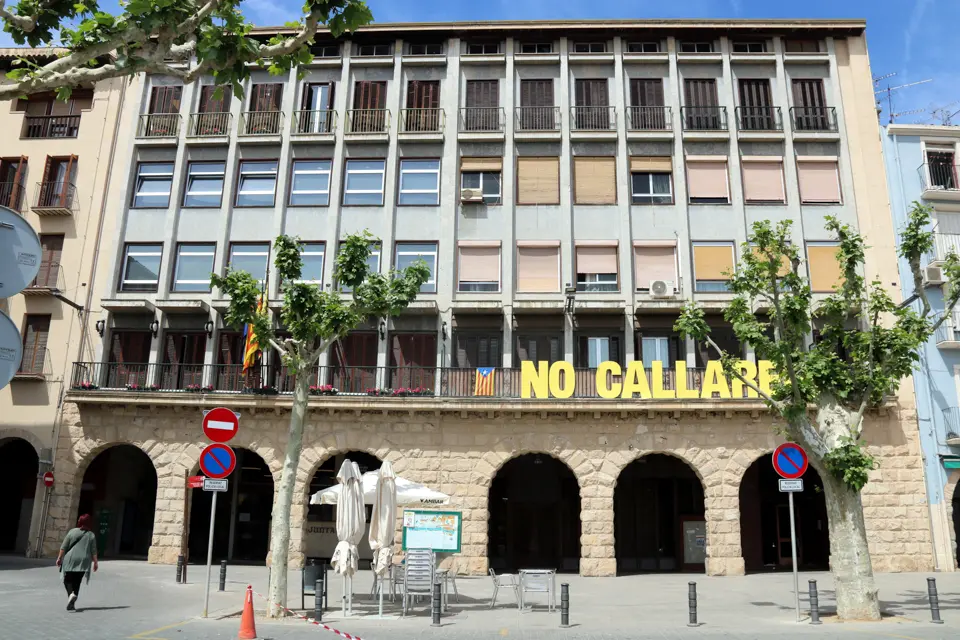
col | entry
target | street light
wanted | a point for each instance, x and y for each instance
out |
(571, 303)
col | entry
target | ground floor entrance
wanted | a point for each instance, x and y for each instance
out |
(19, 465)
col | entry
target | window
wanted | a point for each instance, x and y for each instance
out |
(141, 267)
(473, 350)
(801, 46)
(756, 46)
(194, 266)
(595, 180)
(325, 50)
(58, 186)
(479, 268)
(651, 188)
(257, 185)
(310, 184)
(373, 263)
(154, 182)
(483, 48)
(419, 182)
(364, 183)
(597, 268)
(819, 179)
(538, 180)
(210, 102)
(266, 96)
(311, 253)
(763, 179)
(536, 47)
(655, 261)
(165, 99)
(204, 184)
(539, 346)
(594, 350)
(382, 49)
(643, 47)
(409, 252)
(36, 331)
(707, 180)
(656, 349)
(940, 166)
(712, 264)
(825, 274)
(538, 267)
(482, 174)
(250, 257)
(51, 246)
(589, 47)
(434, 49)
(12, 172)
(696, 47)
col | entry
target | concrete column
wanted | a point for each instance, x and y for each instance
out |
(508, 249)
(507, 346)
(565, 234)
(629, 346)
(784, 96)
(624, 191)
(684, 251)
(341, 103)
(690, 346)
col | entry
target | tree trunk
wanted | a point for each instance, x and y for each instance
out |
(280, 531)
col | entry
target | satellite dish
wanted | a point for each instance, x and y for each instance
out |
(19, 253)
(11, 350)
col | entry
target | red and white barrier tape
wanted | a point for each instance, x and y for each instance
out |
(342, 634)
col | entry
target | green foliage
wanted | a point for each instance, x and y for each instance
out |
(850, 463)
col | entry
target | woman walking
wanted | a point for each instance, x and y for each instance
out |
(78, 554)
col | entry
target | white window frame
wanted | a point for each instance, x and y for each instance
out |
(596, 278)
(191, 173)
(499, 196)
(594, 342)
(241, 174)
(310, 172)
(401, 191)
(136, 249)
(152, 177)
(346, 180)
(650, 194)
(192, 250)
(662, 349)
(499, 281)
(248, 246)
(323, 259)
(432, 280)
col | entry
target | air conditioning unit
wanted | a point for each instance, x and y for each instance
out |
(471, 195)
(661, 289)
(933, 276)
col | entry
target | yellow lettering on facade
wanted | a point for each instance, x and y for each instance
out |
(607, 387)
(682, 390)
(534, 380)
(765, 375)
(562, 386)
(714, 381)
(749, 371)
(635, 381)
(656, 385)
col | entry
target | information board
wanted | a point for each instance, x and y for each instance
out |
(436, 530)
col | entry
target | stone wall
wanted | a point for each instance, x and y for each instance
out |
(460, 453)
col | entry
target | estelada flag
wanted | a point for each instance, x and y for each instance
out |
(251, 345)
(484, 381)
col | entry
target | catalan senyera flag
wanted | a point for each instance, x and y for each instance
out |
(484, 381)
(251, 345)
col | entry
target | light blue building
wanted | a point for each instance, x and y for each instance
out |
(921, 162)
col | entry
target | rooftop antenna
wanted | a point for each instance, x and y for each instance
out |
(893, 116)
(887, 92)
(943, 115)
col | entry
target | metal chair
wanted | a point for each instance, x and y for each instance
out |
(378, 583)
(504, 580)
(308, 583)
(418, 575)
(448, 577)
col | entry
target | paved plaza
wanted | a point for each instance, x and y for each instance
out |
(139, 601)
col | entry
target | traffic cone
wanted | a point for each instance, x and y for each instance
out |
(248, 630)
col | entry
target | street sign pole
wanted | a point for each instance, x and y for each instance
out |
(793, 551)
(213, 511)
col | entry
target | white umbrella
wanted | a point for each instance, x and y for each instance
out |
(351, 522)
(408, 493)
(383, 524)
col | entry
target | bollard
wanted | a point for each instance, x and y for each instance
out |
(180, 570)
(318, 600)
(814, 602)
(934, 601)
(436, 605)
(692, 603)
(564, 605)
(223, 576)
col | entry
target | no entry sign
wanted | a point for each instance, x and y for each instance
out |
(220, 425)
(48, 479)
(790, 461)
(217, 461)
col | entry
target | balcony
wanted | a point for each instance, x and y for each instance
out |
(49, 280)
(593, 122)
(951, 426)
(481, 123)
(653, 119)
(943, 245)
(370, 124)
(50, 127)
(947, 335)
(537, 122)
(813, 120)
(320, 124)
(209, 125)
(55, 199)
(35, 365)
(939, 180)
(11, 195)
(422, 123)
(759, 120)
(163, 126)
(261, 123)
(704, 118)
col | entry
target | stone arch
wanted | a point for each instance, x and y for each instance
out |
(23, 434)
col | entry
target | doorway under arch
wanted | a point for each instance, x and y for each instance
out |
(765, 521)
(242, 522)
(119, 490)
(534, 504)
(658, 516)
(19, 466)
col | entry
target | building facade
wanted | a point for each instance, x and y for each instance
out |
(55, 168)
(922, 165)
(570, 185)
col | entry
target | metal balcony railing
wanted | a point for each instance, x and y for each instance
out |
(50, 127)
(649, 118)
(814, 118)
(209, 124)
(49, 279)
(704, 118)
(35, 364)
(759, 119)
(57, 198)
(11, 195)
(951, 422)
(939, 176)
(158, 125)
(480, 119)
(593, 118)
(261, 123)
(368, 120)
(314, 122)
(944, 244)
(947, 332)
(538, 118)
(421, 120)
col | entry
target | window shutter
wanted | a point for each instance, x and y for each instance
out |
(479, 263)
(483, 93)
(47, 168)
(555, 353)
(615, 349)
(646, 92)
(819, 180)
(171, 354)
(655, 263)
(808, 93)
(583, 351)
(711, 261)
(825, 274)
(538, 180)
(481, 164)
(595, 180)
(700, 93)
(594, 259)
(707, 178)
(538, 269)
(652, 164)
(763, 179)
(466, 351)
